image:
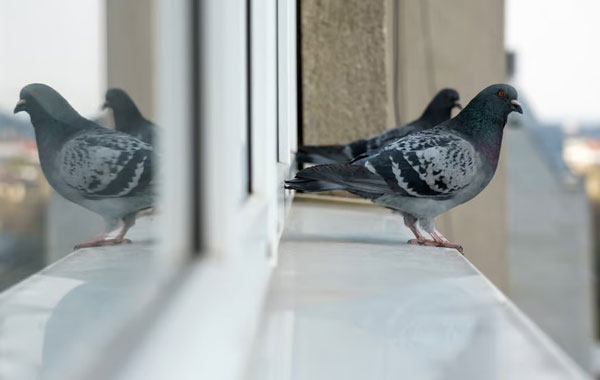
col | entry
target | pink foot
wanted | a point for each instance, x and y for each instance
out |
(426, 242)
(447, 244)
(441, 241)
(103, 243)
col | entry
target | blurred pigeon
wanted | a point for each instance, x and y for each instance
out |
(128, 118)
(438, 111)
(429, 172)
(105, 171)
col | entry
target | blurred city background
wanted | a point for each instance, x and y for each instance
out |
(538, 231)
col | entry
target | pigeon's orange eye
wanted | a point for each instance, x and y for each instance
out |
(501, 93)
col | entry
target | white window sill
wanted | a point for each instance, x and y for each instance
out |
(350, 300)
(62, 315)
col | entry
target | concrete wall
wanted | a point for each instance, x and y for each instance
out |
(343, 52)
(370, 65)
(129, 54)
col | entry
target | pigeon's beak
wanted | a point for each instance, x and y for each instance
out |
(516, 106)
(20, 106)
(457, 105)
(105, 105)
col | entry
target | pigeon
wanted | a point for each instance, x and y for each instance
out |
(438, 111)
(426, 173)
(128, 118)
(103, 170)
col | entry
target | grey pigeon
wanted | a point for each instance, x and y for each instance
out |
(128, 118)
(427, 173)
(437, 111)
(103, 170)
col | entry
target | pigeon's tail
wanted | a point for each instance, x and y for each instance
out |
(311, 185)
(353, 178)
(322, 154)
(330, 154)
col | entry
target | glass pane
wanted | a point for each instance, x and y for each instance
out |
(72, 73)
(36, 226)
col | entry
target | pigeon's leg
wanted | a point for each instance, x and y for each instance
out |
(440, 241)
(128, 222)
(95, 242)
(411, 222)
(100, 239)
(147, 212)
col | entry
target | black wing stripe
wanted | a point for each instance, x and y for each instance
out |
(411, 177)
(129, 179)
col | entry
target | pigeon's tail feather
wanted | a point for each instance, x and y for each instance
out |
(311, 185)
(322, 154)
(346, 177)
(331, 154)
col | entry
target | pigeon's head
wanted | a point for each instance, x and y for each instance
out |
(446, 99)
(41, 101)
(499, 98)
(441, 106)
(118, 100)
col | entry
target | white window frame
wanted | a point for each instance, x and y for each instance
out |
(287, 91)
(207, 330)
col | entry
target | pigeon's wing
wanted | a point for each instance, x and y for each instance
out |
(427, 164)
(106, 164)
(391, 135)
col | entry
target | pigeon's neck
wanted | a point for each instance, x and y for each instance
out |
(435, 116)
(127, 119)
(484, 128)
(51, 134)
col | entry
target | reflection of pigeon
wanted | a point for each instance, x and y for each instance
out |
(128, 117)
(426, 173)
(103, 170)
(438, 111)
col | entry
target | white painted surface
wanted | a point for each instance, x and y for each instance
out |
(57, 322)
(351, 300)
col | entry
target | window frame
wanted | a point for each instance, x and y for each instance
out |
(222, 292)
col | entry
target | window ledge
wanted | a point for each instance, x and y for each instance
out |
(53, 317)
(351, 300)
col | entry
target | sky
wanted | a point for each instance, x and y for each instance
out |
(57, 42)
(558, 57)
(556, 41)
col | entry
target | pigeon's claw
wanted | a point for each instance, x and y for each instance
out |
(422, 241)
(441, 241)
(103, 243)
(447, 244)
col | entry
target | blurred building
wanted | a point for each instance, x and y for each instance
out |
(551, 271)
